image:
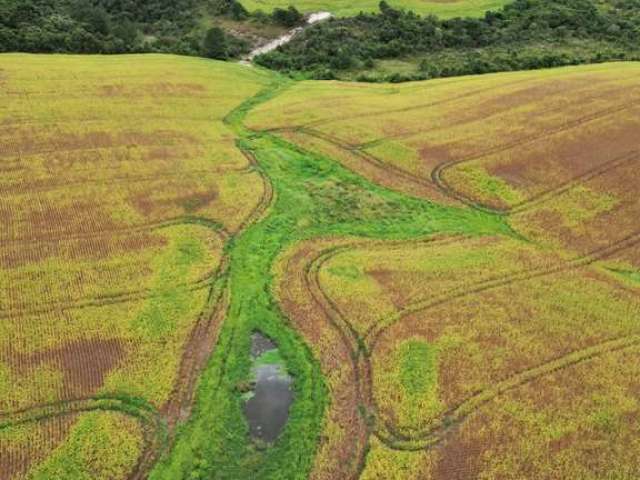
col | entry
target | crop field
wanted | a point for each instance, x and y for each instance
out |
(488, 141)
(120, 187)
(344, 8)
(466, 356)
(449, 271)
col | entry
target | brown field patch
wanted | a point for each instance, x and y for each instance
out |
(590, 215)
(83, 363)
(429, 271)
(488, 336)
(90, 248)
(48, 217)
(561, 157)
(33, 141)
(460, 457)
(150, 203)
(569, 424)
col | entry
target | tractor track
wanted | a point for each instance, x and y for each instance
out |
(373, 333)
(456, 415)
(154, 427)
(438, 182)
(357, 344)
(122, 296)
(437, 174)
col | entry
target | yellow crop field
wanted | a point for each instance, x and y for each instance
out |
(120, 186)
(489, 140)
(471, 356)
(211, 271)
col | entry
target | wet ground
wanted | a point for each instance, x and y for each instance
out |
(267, 406)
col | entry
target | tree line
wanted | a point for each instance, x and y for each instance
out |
(128, 26)
(525, 34)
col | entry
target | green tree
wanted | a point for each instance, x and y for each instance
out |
(237, 11)
(288, 18)
(215, 44)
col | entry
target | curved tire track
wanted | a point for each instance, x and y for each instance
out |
(437, 175)
(154, 427)
(129, 295)
(388, 433)
(464, 409)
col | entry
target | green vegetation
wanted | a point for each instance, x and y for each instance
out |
(314, 197)
(418, 368)
(476, 178)
(100, 446)
(185, 27)
(345, 8)
(632, 276)
(270, 357)
(523, 35)
(395, 44)
(101, 26)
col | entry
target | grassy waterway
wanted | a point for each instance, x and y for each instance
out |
(313, 196)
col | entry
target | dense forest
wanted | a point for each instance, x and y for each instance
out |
(104, 26)
(526, 34)
(122, 26)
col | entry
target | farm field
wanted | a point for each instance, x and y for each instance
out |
(450, 271)
(477, 126)
(343, 8)
(475, 357)
(120, 187)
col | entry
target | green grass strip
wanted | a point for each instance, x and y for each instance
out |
(314, 196)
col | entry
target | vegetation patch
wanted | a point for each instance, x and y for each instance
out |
(521, 35)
